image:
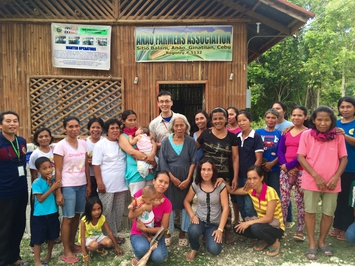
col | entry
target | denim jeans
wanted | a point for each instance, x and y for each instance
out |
(184, 221)
(141, 245)
(196, 230)
(245, 203)
(350, 233)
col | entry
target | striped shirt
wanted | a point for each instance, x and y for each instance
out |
(260, 203)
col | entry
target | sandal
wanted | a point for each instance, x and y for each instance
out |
(190, 256)
(69, 260)
(334, 232)
(229, 238)
(327, 251)
(299, 236)
(102, 252)
(241, 238)
(272, 252)
(289, 225)
(251, 242)
(341, 236)
(120, 240)
(311, 254)
(183, 242)
(260, 245)
(21, 263)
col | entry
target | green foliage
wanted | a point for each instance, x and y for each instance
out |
(314, 68)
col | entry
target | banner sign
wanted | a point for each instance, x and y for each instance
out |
(81, 46)
(185, 43)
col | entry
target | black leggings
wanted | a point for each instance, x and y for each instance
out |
(263, 232)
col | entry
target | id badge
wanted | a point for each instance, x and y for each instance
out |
(21, 171)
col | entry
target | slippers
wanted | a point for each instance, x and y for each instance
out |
(311, 254)
(183, 242)
(241, 238)
(77, 249)
(190, 256)
(120, 240)
(327, 251)
(21, 263)
(299, 236)
(251, 242)
(272, 252)
(69, 260)
(289, 225)
(341, 236)
(102, 252)
(260, 245)
(334, 232)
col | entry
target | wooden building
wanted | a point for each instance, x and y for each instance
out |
(43, 94)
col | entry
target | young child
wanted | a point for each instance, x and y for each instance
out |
(291, 170)
(322, 154)
(91, 237)
(45, 222)
(144, 144)
(148, 198)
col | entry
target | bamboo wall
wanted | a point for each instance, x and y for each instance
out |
(25, 50)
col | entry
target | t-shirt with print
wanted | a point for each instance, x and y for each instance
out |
(349, 129)
(271, 142)
(73, 173)
(220, 150)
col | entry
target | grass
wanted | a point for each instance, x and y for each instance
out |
(292, 253)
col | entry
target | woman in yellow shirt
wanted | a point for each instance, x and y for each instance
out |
(268, 227)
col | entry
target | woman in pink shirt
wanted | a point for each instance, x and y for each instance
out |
(72, 169)
(291, 170)
(322, 154)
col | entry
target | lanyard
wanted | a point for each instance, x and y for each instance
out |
(17, 149)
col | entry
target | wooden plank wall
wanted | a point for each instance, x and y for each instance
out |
(25, 50)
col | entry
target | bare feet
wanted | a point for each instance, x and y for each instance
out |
(190, 256)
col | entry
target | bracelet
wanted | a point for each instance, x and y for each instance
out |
(85, 256)
(220, 229)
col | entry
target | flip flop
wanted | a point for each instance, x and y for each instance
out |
(299, 237)
(327, 251)
(272, 250)
(120, 240)
(289, 225)
(102, 252)
(310, 252)
(251, 242)
(341, 237)
(334, 232)
(260, 245)
(69, 260)
(77, 249)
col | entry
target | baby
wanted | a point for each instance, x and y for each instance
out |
(148, 198)
(144, 144)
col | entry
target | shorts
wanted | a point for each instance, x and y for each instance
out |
(74, 200)
(134, 187)
(98, 239)
(311, 199)
(44, 227)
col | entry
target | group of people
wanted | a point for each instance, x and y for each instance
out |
(168, 164)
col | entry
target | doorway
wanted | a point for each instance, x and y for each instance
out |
(188, 98)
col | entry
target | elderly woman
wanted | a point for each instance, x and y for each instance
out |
(178, 157)
(109, 163)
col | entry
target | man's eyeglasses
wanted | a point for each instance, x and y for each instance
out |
(162, 102)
